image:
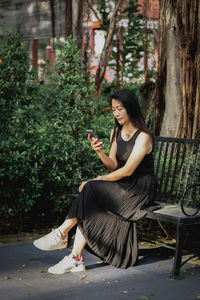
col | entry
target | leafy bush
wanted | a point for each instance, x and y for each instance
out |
(43, 137)
(17, 114)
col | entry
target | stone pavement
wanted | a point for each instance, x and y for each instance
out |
(23, 275)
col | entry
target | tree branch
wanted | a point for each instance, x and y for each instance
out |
(94, 11)
(107, 49)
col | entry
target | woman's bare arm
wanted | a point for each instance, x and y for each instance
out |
(143, 145)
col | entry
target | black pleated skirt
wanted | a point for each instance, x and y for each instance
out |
(107, 212)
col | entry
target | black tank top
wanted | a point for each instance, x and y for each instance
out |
(124, 149)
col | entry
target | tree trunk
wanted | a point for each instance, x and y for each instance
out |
(85, 46)
(173, 78)
(117, 85)
(157, 105)
(77, 8)
(107, 50)
(145, 39)
(74, 19)
(52, 23)
(68, 18)
(178, 81)
(188, 25)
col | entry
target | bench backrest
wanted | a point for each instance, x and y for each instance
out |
(177, 169)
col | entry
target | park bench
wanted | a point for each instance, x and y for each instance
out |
(177, 173)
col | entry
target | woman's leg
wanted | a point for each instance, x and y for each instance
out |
(73, 262)
(67, 225)
(79, 244)
(57, 239)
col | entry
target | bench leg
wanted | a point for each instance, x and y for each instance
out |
(179, 250)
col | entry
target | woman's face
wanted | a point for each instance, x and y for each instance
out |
(119, 112)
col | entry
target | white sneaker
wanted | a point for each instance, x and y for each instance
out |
(52, 241)
(68, 264)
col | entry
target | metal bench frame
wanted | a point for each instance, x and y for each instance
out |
(176, 166)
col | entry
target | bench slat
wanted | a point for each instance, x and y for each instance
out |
(176, 167)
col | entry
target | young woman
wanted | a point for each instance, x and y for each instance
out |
(108, 206)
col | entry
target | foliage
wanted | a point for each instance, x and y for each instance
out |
(17, 115)
(128, 43)
(104, 8)
(14, 69)
(43, 138)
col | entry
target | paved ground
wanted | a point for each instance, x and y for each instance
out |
(23, 275)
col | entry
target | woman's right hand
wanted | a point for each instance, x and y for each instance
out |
(82, 186)
(95, 143)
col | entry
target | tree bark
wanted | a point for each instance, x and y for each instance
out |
(178, 81)
(196, 124)
(188, 19)
(79, 23)
(74, 19)
(68, 18)
(173, 78)
(52, 22)
(157, 104)
(145, 39)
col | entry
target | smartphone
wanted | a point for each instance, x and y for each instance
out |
(92, 134)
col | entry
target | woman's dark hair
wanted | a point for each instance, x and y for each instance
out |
(129, 100)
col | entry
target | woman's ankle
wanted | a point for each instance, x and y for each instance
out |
(67, 226)
(64, 234)
(76, 255)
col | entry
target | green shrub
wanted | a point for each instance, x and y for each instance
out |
(15, 110)
(43, 133)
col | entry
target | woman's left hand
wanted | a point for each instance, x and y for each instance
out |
(81, 186)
